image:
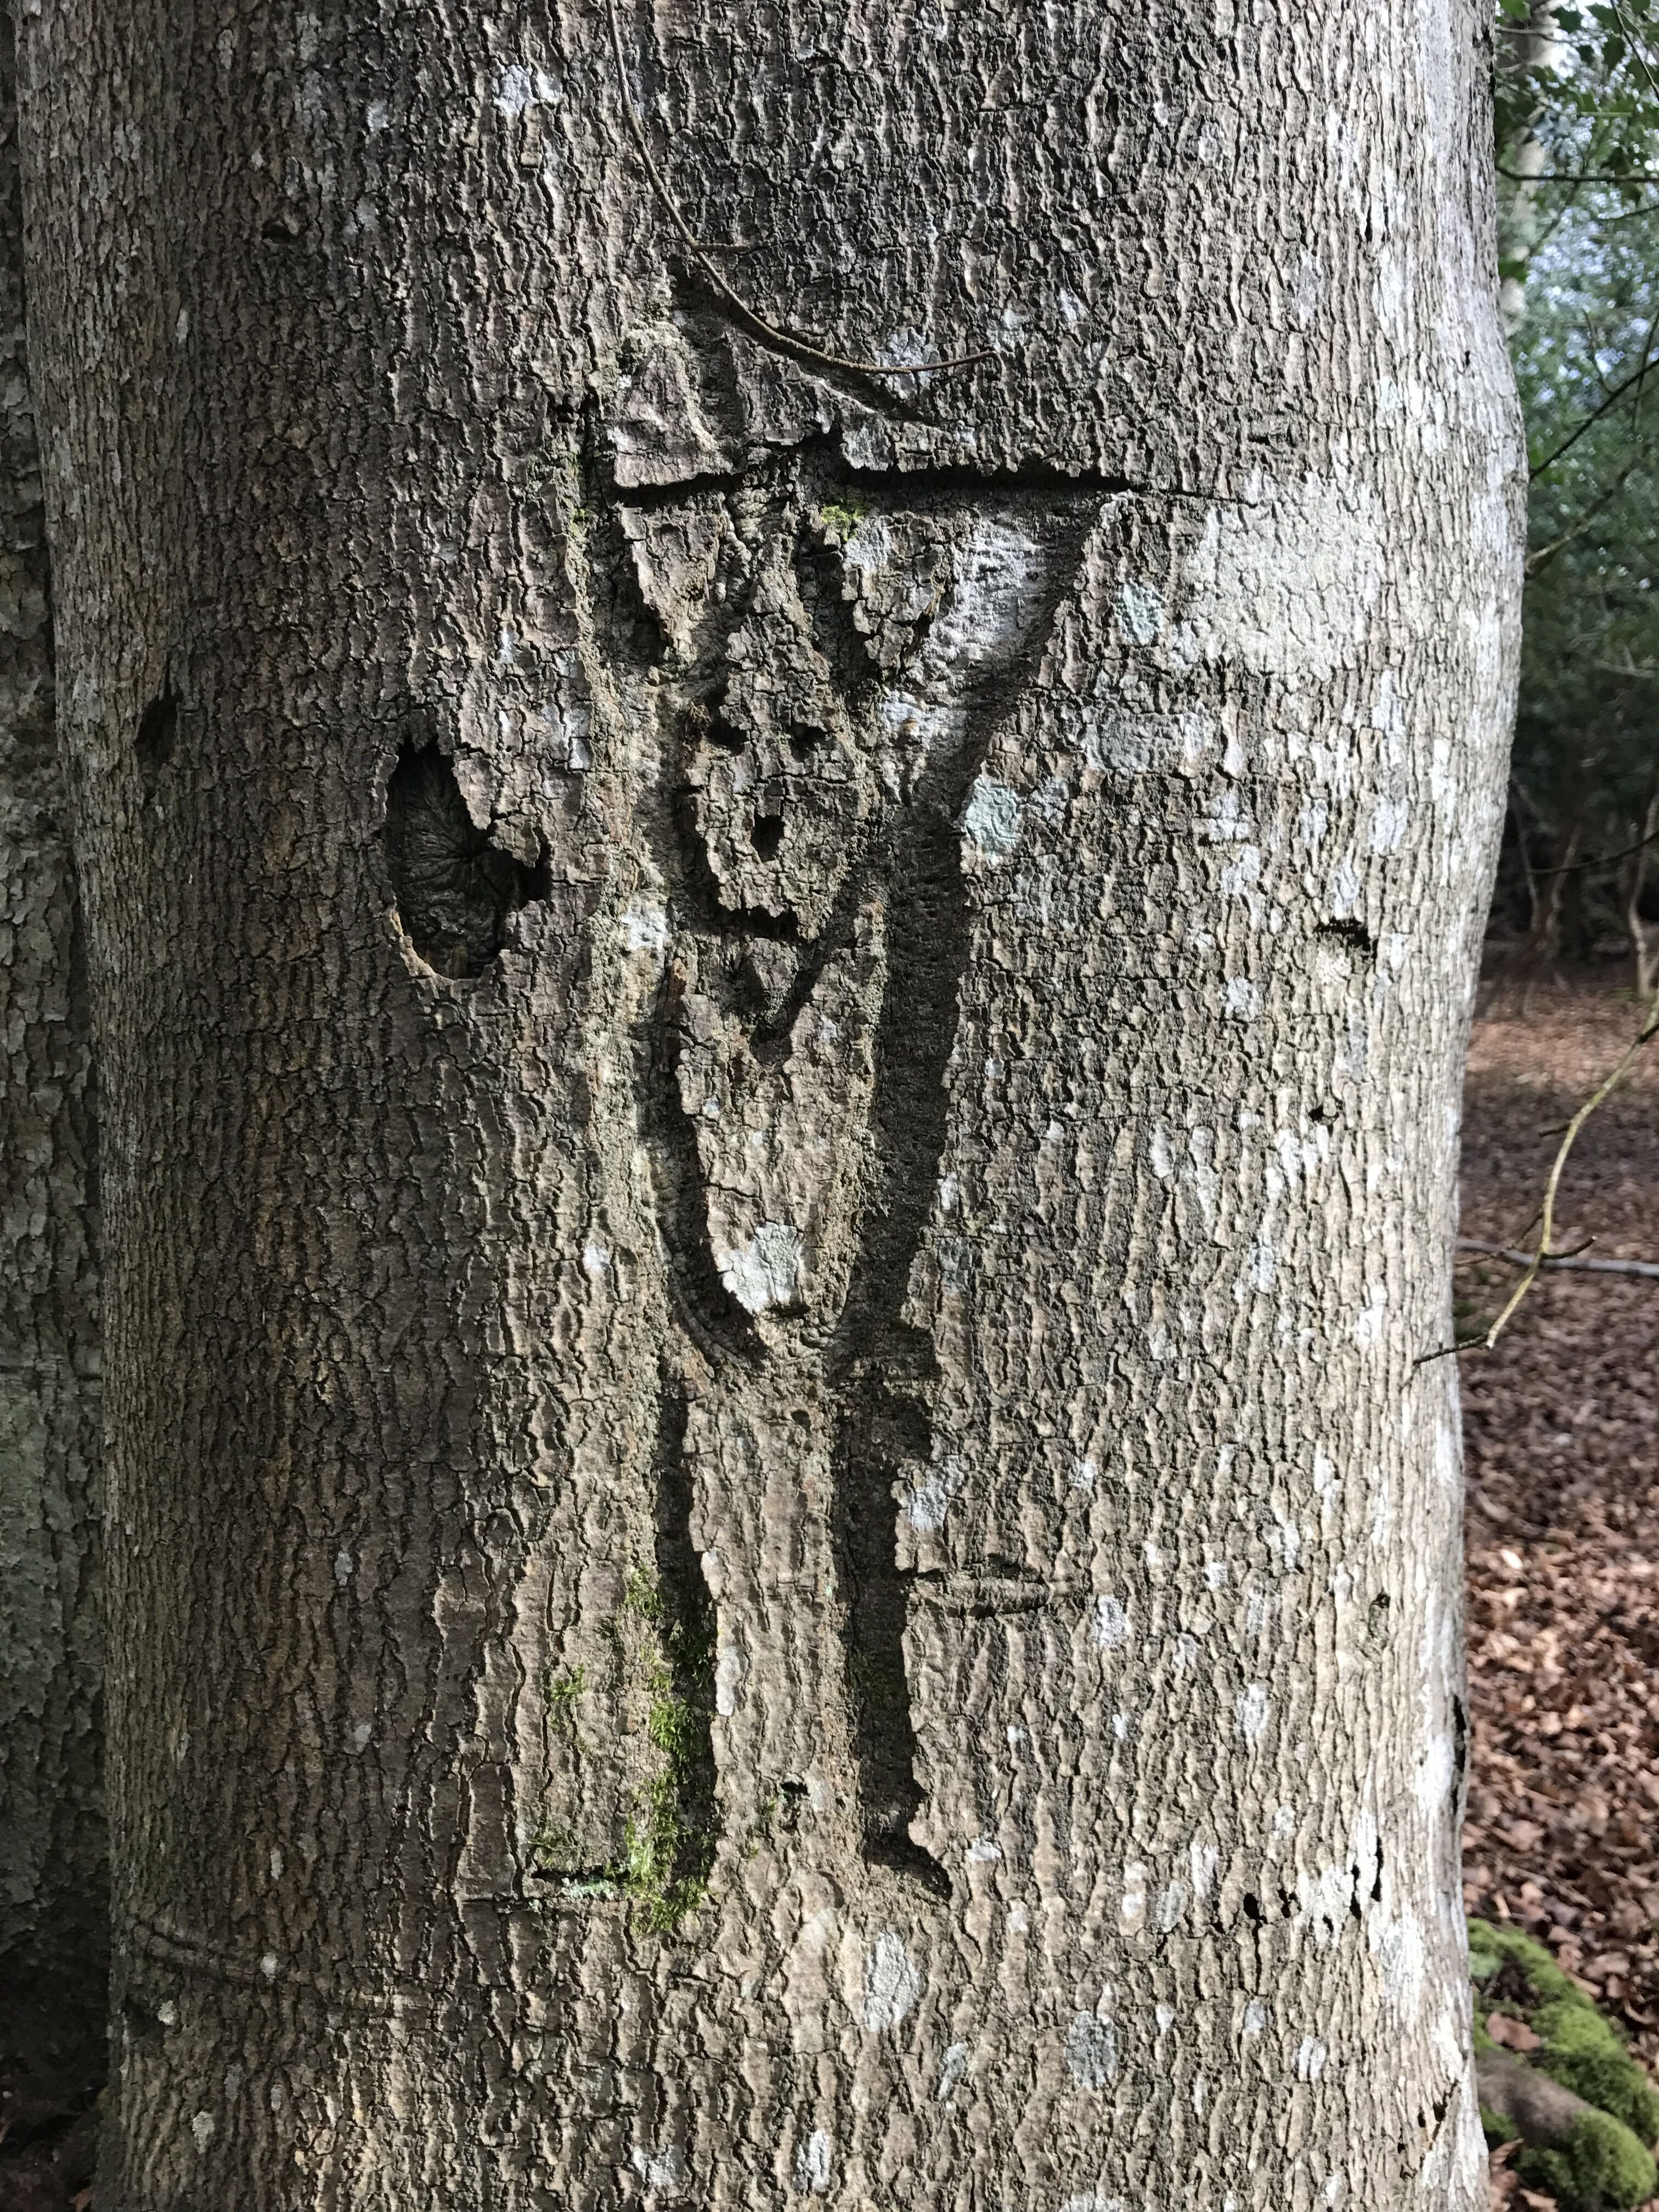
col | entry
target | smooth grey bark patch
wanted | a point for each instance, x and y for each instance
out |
(454, 888)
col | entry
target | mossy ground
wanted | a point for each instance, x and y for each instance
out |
(1601, 2164)
(1605, 2165)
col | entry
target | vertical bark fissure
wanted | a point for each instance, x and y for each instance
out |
(685, 1707)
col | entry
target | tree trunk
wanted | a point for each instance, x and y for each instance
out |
(1643, 934)
(1559, 883)
(52, 1942)
(1523, 160)
(781, 1047)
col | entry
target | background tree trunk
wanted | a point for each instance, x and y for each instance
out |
(781, 1051)
(53, 1953)
(1644, 936)
(1523, 159)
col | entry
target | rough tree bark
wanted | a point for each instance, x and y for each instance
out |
(52, 1949)
(781, 1053)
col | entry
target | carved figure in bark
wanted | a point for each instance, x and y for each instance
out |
(835, 657)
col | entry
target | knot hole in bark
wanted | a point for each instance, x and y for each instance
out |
(158, 725)
(1352, 935)
(455, 888)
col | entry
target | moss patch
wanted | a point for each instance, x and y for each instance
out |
(1586, 2054)
(1604, 2162)
(842, 517)
(661, 1759)
(668, 1842)
(1494, 1949)
(564, 1693)
(1600, 2165)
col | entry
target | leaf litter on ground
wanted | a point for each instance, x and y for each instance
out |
(1561, 1427)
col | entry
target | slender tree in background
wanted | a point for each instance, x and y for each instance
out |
(52, 1878)
(780, 1052)
(1577, 878)
(1529, 43)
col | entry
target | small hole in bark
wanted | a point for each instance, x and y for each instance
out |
(719, 731)
(455, 890)
(767, 835)
(1353, 934)
(804, 742)
(280, 230)
(157, 726)
(141, 2021)
(1252, 1907)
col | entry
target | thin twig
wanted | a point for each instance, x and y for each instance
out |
(1593, 418)
(1536, 1262)
(699, 253)
(1605, 859)
(1544, 553)
(1633, 45)
(1553, 1261)
(1580, 176)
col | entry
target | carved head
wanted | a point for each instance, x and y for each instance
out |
(833, 647)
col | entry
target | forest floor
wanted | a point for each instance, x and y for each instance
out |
(1561, 1423)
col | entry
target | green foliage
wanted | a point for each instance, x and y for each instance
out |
(1584, 80)
(1587, 363)
(1601, 2168)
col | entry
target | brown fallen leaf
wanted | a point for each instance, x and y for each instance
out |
(1512, 2035)
(1610, 1963)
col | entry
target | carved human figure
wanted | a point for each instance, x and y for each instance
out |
(836, 661)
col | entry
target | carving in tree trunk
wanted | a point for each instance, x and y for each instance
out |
(781, 1062)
